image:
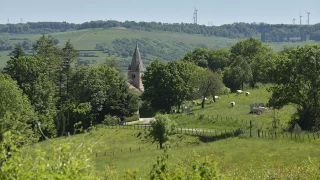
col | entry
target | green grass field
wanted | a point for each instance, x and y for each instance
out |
(121, 150)
(118, 149)
(88, 38)
(220, 115)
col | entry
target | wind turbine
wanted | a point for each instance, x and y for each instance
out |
(300, 19)
(308, 16)
(196, 15)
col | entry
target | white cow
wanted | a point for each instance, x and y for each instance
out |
(239, 91)
(233, 104)
(247, 93)
(216, 97)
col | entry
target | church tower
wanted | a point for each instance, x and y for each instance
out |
(136, 70)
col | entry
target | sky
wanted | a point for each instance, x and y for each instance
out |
(210, 12)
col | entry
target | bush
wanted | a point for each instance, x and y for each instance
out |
(134, 117)
(110, 120)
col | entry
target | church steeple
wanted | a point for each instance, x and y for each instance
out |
(136, 63)
(136, 69)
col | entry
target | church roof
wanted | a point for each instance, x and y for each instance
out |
(136, 63)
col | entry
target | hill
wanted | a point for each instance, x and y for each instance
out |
(97, 44)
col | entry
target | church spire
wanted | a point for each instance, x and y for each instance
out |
(136, 63)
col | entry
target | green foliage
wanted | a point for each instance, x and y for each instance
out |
(162, 128)
(296, 80)
(31, 77)
(208, 83)
(168, 85)
(191, 168)
(134, 117)
(268, 32)
(63, 162)
(16, 112)
(149, 48)
(111, 120)
(105, 91)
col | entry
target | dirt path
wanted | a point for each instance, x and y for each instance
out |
(80, 37)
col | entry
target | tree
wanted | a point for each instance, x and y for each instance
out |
(296, 81)
(104, 90)
(219, 59)
(17, 51)
(16, 112)
(162, 128)
(209, 83)
(32, 78)
(68, 56)
(241, 70)
(168, 85)
(199, 56)
(255, 53)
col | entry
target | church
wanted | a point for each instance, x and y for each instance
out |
(136, 69)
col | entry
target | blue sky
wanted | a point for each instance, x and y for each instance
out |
(216, 12)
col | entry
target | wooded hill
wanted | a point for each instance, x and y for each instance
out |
(267, 32)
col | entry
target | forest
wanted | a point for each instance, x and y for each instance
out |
(266, 32)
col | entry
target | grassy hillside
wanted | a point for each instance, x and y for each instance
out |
(118, 150)
(88, 38)
(220, 115)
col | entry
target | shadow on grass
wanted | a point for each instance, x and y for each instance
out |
(206, 138)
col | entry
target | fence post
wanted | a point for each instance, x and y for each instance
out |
(258, 133)
(225, 133)
(250, 128)
(130, 149)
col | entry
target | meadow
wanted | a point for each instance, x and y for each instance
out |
(87, 39)
(117, 150)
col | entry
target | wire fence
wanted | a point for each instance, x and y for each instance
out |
(208, 135)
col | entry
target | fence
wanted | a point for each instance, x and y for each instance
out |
(250, 130)
(207, 135)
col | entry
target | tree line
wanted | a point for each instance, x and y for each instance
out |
(266, 32)
(292, 72)
(57, 97)
(150, 49)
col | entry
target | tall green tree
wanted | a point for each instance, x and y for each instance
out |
(208, 83)
(242, 72)
(296, 81)
(168, 85)
(32, 78)
(199, 56)
(162, 128)
(255, 54)
(16, 112)
(17, 51)
(68, 56)
(219, 59)
(104, 90)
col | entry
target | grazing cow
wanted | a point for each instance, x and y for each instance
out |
(233, 104)
(239, 92)
(211, 101)
(216, 97)
(247, 93)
